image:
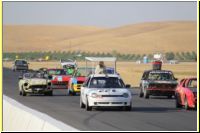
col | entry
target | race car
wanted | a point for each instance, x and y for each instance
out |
(59, 78)
(186, 93)
(100, 90)
(76, 81)
(158, 83)
(34, 82)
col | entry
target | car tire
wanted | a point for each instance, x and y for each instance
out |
(69, 93)
(169, 96)
(128, 108)
(82, 105)
(20, 93)
(87, 107)
(186, 103)
(146, 95)
(23, 92)
(49, 93)
(177, 103)
(141, 93)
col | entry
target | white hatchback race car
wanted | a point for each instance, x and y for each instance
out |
(100, 90)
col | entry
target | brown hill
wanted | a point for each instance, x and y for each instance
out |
(137, 38)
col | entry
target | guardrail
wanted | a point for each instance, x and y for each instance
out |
(17, 117)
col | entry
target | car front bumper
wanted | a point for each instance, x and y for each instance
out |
(37, 90)
(106, 102)
(160, 92)
(56, 86)
(21, 67)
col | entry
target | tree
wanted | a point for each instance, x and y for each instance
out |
(169, 55)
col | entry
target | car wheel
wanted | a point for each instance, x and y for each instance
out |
(141, 93)
(69, 93)
(186, 104)
(88, 108)
(23, 92)
(169, 96)
(20, 93)
(128, 108)
(146, 95)
(177, 103)
(82, 105)
(50, 93)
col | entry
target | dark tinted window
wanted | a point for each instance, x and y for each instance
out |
(20, 62)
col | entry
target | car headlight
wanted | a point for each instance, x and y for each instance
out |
(125, 95)
(94, 95)
(25, 84)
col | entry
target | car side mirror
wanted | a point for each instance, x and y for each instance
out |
(128, 86)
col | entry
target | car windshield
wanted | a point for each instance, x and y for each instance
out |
(33, 75)
(89, 70)
(192, 83)
(56, 72)
(20, 62)
(106, 82)
(160, 76)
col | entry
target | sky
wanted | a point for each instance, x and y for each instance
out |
(101, 14)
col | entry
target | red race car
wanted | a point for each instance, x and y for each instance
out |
(59, 78)
(186, 93)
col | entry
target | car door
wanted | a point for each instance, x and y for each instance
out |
(84, 89)
(181, 91)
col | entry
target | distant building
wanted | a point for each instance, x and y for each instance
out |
(145, 60)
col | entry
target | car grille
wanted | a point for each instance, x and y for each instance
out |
(38, 86)
(112, 95)
(114, 103)
(60, 83)
(80, 82)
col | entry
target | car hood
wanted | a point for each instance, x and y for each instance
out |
(37, 81)
(61, 78)
(194, 90)
(81, 78)
(109, 91)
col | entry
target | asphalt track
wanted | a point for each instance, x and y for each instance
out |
(154, 114)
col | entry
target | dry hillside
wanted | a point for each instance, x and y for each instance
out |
(141, 38)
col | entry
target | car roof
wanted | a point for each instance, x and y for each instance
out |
(104, 75)
(110, 59)
(20, 60)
